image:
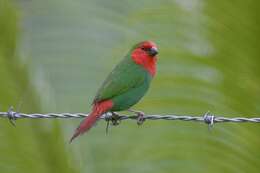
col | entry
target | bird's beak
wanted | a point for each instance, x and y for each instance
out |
(153, 51)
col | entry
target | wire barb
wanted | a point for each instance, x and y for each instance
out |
(11, 115)
(209, 119)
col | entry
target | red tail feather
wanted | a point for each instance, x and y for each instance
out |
(98, 109)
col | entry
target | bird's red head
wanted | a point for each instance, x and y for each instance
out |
(149, 48)
(145, 54)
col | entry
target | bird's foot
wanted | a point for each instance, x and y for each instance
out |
(114, 118)
(140, 116)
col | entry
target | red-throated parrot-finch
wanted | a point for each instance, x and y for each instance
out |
(125, 85)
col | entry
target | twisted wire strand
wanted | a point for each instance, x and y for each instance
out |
(208, 118)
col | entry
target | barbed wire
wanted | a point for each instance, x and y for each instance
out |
(207, 118)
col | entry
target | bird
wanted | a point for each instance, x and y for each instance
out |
(127, 83)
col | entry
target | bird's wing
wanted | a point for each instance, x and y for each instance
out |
(124, 77)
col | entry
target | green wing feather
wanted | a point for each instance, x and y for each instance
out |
(125, 76)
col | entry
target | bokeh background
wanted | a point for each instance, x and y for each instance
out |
(54, 54)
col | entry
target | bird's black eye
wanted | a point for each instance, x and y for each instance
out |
(145, 49)
(152, 51)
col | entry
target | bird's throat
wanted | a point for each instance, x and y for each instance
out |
(146, 61)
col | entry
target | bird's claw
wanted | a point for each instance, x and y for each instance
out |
(114, 118)
(140, 116)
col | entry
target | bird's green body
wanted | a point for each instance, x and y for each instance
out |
(125, 85)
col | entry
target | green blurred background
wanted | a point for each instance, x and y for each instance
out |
(54, 54)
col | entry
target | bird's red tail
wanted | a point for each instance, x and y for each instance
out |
(98, 109)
